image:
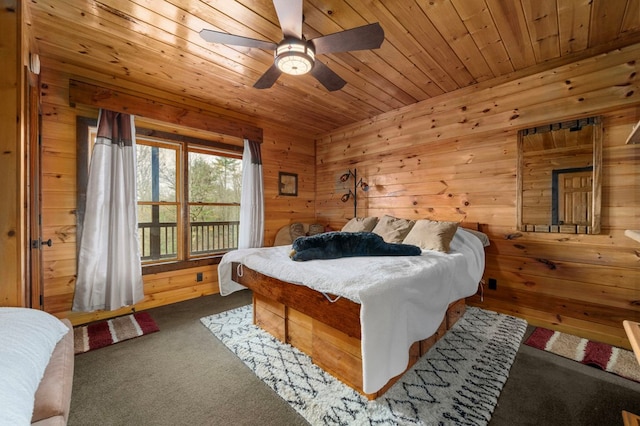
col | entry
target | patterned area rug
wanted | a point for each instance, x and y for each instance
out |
(457, 382)
(606, 357)
(104, 333)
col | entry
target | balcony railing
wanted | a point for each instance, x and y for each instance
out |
(160, 240)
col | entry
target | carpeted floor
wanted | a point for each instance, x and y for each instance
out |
(182, 376)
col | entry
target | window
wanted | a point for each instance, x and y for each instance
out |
(190, 211)
(188, 195)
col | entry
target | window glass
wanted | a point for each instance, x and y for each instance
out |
(214, 201)
(158, 181)
(156, 171)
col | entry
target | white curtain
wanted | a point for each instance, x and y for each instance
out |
(109, 269)
(251, 233)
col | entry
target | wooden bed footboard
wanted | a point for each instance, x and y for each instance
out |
(329, 332)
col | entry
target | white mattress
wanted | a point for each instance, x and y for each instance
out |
(403, 298)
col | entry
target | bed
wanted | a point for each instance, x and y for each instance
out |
(364, 320)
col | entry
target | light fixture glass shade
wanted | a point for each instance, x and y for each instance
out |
(294, 57)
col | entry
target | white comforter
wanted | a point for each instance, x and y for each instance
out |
(403, 298)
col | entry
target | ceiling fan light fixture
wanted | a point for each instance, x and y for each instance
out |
(294, 57)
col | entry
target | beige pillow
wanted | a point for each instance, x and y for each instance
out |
(315, 229)
(360, 224)
(393, 229)
(432, 235)
(297, 230)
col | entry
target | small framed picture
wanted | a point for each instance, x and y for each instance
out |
(288, 183)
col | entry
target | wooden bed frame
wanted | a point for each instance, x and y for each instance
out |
(328, 332)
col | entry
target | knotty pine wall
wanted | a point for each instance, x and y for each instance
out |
(282, 150)
(14, 42)
(454, 158)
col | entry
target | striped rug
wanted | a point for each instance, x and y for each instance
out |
(105, 333)
(606, 357)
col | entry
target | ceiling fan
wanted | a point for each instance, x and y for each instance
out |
(296, 56)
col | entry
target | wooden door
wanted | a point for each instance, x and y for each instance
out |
(575, 198)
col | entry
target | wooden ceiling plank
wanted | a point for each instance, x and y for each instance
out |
(312, 121)
(476, 17)
(512, 27)
(606, 20)
(327, 18)
(410, 19)
(366, 101)
(228, 16)
(183, 34)
(114, 55)
(573, 25)
(125, 40)
(138, 26)
(631, 21)
(176, 61)
(446, 20)
(542, 21)
(65, 71)
(402, 54)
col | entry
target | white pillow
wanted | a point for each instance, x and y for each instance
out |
(27, 339)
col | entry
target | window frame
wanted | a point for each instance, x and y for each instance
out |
(83, 124)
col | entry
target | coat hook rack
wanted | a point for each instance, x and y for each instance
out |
(364, 186)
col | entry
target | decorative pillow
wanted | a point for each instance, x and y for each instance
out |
(481, 235)
(393, 229)
(296, 230)
(432, 235)
(334, 245)
(27, 340)
(360, 224)
(315, 229)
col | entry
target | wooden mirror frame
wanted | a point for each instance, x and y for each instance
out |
(596, 189)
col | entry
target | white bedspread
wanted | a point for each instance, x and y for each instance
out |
(403, 298)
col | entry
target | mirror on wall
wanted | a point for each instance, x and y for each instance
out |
(559, 177)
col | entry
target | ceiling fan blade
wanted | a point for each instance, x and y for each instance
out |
(290, 17)
(329, 79)
(268, 78)
(361, 38)
(236, 40)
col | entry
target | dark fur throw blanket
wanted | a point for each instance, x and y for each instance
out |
(333, 245)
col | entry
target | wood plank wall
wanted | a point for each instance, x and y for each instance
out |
(454, 158)
(282, 150)
(14, 42)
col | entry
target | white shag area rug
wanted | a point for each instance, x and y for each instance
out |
(457, 382)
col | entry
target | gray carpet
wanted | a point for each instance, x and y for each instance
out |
(183, 376)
